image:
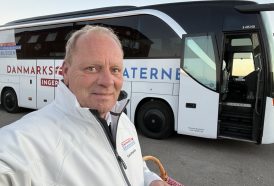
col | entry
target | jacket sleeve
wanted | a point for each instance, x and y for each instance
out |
(5, 180)
(8, 177)
(12, 169)
(149, 176)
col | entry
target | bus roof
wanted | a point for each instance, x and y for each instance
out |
(73, 14)
(255, 7)
(247, 8)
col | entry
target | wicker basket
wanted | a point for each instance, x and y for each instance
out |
(163, 173)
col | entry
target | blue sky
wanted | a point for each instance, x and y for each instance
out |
(18, 9)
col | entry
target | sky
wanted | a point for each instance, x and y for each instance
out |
(18, 9)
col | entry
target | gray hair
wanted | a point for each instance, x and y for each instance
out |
(70, 46)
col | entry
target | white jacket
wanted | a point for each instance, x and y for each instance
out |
(64, 144)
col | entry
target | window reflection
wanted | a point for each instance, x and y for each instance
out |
(199, 60)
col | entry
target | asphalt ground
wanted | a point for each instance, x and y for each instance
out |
(203, 162)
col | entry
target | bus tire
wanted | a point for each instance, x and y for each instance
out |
(10, 101)
(155, 119)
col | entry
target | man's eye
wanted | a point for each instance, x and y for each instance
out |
(116, 70)
(91, 69)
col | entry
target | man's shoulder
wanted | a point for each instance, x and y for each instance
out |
(125, 121)
(35, 129)
(34, 123)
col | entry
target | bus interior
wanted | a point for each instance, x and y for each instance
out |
(241, 87)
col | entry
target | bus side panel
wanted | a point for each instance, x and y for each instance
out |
(9, 76)
(45, 82)
(268, 129)
(58, 73)
(152, 78)
(7, 59)
(7, 37)
(27, 83)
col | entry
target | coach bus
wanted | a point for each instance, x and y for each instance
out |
(199, 68)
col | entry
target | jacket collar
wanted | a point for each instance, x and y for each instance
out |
(69, 103)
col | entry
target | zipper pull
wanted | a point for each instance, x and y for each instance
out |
(122, 161)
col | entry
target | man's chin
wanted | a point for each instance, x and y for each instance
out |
(103, 110)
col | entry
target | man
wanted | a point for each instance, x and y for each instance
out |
(82, 138)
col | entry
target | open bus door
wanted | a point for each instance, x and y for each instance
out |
(198, 96)
(242, 99)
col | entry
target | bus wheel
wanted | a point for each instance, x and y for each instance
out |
(9, 101)
(155, 119)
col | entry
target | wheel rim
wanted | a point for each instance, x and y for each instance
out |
(154, 120)
(9, 101)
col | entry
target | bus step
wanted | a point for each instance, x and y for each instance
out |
(235, 109)
(242, 130)
(235, 116)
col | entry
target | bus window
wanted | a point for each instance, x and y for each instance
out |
(142, 36)
(44, 42)
(164, 41)
(33, 39)
(51, 37)
(199, 60)
(243, 64)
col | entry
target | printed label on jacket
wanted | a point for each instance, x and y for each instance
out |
(128, 146)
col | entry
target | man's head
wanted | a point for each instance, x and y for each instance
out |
(93, 67)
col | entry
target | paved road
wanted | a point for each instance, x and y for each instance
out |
(7, 118)
(204, 162)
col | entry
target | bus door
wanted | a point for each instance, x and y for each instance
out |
(198, 99)
(241, 87)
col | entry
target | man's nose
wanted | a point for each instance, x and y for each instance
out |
(105, 78)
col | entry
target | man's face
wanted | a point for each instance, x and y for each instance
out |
(95, 74)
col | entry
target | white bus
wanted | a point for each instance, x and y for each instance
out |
(197, 68)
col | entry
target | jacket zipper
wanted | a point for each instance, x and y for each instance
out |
(119, 115)
(121, 162)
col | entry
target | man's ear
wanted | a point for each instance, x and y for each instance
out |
(65, 69)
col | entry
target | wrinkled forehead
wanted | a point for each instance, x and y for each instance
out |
(95, 38)
(98, 45)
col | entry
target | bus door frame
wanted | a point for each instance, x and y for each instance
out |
(257, 114)
(198, 105)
